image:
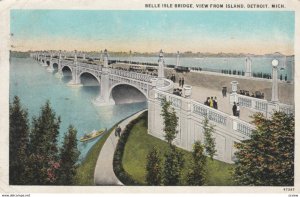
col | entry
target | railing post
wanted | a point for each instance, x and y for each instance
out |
(233, 96)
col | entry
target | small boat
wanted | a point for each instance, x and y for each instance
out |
(92, 135)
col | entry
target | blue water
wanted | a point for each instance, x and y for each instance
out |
(259, 64)
(34, 85)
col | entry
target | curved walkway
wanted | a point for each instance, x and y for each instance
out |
(104, 173)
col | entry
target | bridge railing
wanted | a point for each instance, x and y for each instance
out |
(262, 105)
(133, 75)
(254, 103)
(218, 118)
(288, 109)
(222, 119)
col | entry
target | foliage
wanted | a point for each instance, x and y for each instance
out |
(153, 168)
(18, 142)
(197, 173)
(34, 157)
(267, 158)
(209, 141)
(173, 167)
(170, 121)
(123, 176)
(69, 155)
(43, 150)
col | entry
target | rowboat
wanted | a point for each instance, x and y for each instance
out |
(92, 135)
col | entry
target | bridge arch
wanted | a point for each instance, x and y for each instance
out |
(87, 72)
(55, 65)
(66, 66)
(142, 98)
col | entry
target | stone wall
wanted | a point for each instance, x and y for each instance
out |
(229, 129)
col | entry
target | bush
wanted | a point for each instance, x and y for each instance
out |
(123, 176)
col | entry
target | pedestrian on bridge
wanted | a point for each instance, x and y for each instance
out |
(238, 110)
(179, 82)
(215, 103)
(234, 109)
(211, 102)
(182, 82)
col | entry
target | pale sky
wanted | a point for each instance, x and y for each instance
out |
(257, 32)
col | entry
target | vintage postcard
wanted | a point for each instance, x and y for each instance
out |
(199, 94)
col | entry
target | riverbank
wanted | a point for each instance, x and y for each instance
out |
(85, 171)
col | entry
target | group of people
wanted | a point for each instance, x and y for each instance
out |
(212, 102)
(181, 82)
(236, 109)
(172, 78)
(177, 91)
(118, 131)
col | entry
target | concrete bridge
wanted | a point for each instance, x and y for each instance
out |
(229, 129)
(107, 77)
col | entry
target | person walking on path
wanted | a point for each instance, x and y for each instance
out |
(179, 82)
(215, 103)
(234, 108)
(118, 131)
(182, 82)
(238, 110)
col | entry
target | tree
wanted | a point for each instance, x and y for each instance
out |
(196, 175)
(43, 148)
(173, 166)
(267, 158)
(153, 168)
(209, 141)
(69, 155)
(170, 121)
(18, 142)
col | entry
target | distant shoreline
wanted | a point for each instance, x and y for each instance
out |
(184, 54)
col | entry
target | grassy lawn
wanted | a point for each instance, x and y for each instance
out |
(140, 143)
(85, 172)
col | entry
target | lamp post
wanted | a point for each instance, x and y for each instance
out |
(275, 63)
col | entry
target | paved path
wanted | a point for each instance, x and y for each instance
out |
(104, 174)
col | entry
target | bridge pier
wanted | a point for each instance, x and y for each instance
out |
(75, 78)
(50, 67)
(59, 73)
(104, 97)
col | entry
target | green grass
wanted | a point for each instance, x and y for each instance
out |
(85, 172)
(140, 143)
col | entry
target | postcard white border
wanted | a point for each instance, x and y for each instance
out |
(7, 5)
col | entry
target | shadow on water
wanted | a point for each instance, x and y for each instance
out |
(66, 78)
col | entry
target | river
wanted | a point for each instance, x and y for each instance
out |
(34, 85)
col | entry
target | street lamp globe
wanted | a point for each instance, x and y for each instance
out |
(275, 62)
